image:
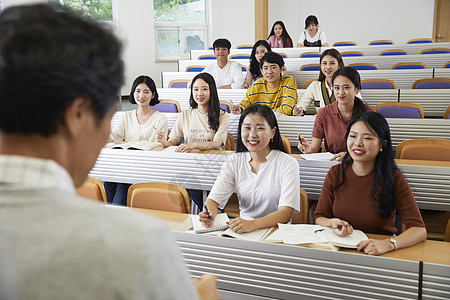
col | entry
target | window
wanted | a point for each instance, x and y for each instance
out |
(100, 10)
(180, 26)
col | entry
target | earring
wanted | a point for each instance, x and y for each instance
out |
(271, 140)
(381, 150)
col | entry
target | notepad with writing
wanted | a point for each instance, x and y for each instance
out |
(220, 224)
(304, 234)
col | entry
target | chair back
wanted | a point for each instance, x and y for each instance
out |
(400, 110)
(232, 206)
(308, 82)
(225, 105)
(447, 64)
(194, 68)
(229, 145)
(409, 65)
(240, 56)
(419, 41)
(424, 149)
(394, 52)
(447, 232)
(377, 84)
(286, 144)
(206, 57)
(244, 47)
(310, 54)
(364, 66)
(310, 67)
(432, 83)
(283, 55)
(302, 216)
(352, 53)
(435, 51)
(381, 42)
(346, 43)
(92, 188)
(244, 68)
(159, 196)
(168, 106)
(179, 83)
(447, 113)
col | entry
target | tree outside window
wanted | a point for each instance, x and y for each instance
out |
(100, 10)
(180, 26)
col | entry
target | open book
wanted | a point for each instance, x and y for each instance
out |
(304, 234)
(141, 145)
(257, 235)
(318, 156)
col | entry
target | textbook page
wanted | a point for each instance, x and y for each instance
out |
(220, 224)
(318, 156)
(257, 235)
(141, 145)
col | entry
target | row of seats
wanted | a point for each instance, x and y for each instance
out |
(343, 54)
(352, 43)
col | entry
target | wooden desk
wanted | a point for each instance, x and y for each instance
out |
(251, 270)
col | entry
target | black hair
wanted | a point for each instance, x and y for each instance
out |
(222, 43)
(334, 53)
(353, 75)
(276, 143)
(272, 57)
(285, 37)
(383, 186)
(48, 59)
(311, 20)
(151, 85)
(254, 63)
(214, 104)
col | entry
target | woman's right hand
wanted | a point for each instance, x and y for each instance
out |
(204, 217)
(297, 111)
(236, 109)
(303, 145)
(346, 228)
(161, 138)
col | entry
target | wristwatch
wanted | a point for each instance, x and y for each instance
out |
(394, 242)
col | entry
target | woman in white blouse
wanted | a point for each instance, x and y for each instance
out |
(265, 178)
(137, 125)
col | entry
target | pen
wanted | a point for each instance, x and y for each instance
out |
(300, 139)
(207, 212)
(335, 227)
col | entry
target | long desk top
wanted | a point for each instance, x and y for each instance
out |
(403, 79)
(368, 50)
(433, 101)
(383, 62)
(251, 270)
(429, 183)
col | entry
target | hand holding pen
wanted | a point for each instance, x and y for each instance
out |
(332, 228)
(206, 217)
(303, 145)
(235, 109)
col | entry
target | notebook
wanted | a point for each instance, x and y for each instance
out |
(318, 156)
(220, 224)
(305, 234)
(257, 235)
(141, 145)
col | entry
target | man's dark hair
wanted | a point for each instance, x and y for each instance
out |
(273, 58)
(48, 59)
(222, 43)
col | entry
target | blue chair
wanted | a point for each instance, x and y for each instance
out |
(363, 66)
(447, 113)
(394, 52)
(310, 54)
(419, 41)
(348, 43)
(283, 55)
(432, 83)
(244, 47)
(352, 53)
(169, 106)
(310, 67)
(307, 83)
(179, 83)
(447, 64)
(244, 68)
(435, 51)
(206, 57)
(367, 84)
(409, 65)
(381, 42)
(240, 56)
(400, 110)
(226, 106)
(195, 68)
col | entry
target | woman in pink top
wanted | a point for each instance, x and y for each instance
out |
(278, 37)
(332, 120)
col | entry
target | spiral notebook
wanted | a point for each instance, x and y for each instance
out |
(220, 223)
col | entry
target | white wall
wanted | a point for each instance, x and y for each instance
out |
(360, 21)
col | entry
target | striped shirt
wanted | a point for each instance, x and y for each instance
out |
(281, 99)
